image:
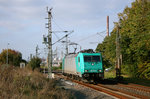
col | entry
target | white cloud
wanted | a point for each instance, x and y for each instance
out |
(86, 13)
(26, 17)
(16, 14)
(73, 13)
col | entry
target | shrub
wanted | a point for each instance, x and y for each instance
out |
(35, 62)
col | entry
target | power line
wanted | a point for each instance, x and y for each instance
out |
(62, 37)
(87, 37)
(57, 25)
(56, 36)
(99, 33)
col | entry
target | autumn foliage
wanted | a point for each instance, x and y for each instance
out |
(14, 57)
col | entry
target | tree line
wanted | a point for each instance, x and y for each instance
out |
(15, 58)
(134, 30)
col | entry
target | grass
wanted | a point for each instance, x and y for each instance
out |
(110, 74)
(127, 79)
(53, 68)
(139, 81)
(26, 84)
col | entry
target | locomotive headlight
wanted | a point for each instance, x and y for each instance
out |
(100, 70)
(86, 70)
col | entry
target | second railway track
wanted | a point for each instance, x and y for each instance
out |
(121, 91)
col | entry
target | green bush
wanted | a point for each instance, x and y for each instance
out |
(35, 63)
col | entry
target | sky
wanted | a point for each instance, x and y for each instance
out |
(22, 23)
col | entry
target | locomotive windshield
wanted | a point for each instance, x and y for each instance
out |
(92, 58)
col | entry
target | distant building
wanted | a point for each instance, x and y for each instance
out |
(56, 62)
(22, 65)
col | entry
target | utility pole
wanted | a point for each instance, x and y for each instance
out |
(48, 41)
(66, 36)
(31, 56)
(118, 54)
(56, 53)
(37, 48)
(107, 25)
(62, 55)
(7, 55)
(66, 44)
(67, 41)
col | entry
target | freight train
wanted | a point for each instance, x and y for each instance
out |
(87, 66)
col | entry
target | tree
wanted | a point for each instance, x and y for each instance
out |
(14, 57)
(135, 39)
(135, 22)
(107, 48)
(35, 62)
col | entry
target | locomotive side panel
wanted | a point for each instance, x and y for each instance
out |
(69, 65)
(79, 64)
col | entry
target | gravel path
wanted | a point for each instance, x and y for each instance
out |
(82, 92)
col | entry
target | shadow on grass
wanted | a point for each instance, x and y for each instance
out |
(138, 81)
(113, 81)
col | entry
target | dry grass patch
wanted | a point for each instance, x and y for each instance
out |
(26, 84)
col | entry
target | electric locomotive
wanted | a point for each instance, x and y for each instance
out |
(86, 66)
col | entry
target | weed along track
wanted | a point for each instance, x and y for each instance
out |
(122, 91)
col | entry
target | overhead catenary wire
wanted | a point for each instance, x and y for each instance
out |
(80, 39)
(90, 36)
(54, 32)
(56, 36)
(56, 23)
(87, 37)
(62, 38)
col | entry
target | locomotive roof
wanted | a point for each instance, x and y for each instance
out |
(75, 54)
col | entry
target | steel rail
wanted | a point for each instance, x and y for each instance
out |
(125, 92)
(137, 87)
(109, 91)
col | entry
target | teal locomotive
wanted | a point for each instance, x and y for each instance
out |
(83, 66)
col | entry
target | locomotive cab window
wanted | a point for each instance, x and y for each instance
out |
(79, 59)
(87, 58)
(96, 59)
(92, 58)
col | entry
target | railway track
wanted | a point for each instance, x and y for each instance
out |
(137, 88)
(122, 91)
(140, 87)
(132, 91)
